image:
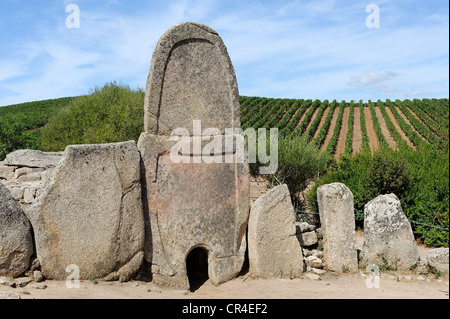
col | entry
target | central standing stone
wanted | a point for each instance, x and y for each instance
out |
(194, 204)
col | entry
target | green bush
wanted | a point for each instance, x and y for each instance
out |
(299, 163)
(113, 113)
(418, 178)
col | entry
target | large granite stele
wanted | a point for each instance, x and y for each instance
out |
(191, 205)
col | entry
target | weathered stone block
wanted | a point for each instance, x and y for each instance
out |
(273, 249)
(338, 227)
(90, 214)
(438, 259)
(16, 242)
(388, 236)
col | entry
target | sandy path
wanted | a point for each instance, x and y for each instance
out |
(398, 128)
(322, 120)
(373, 140)
(384, 129)
(330, 129)
(357, 134)
(409, 123)
(340, 145)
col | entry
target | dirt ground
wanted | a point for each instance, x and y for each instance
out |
(331, 286)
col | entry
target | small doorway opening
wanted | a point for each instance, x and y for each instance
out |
(197, 268)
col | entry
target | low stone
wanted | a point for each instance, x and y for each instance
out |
(9, 295)
(388, 236)
(6, 172)
(313, 262)
(29, 195)
(422, 268)
(30, 178)
(317, 253)
(306, 252)
(319, 233)
(307, 239)
(33, 158)
(5, 281)
(438, 259)
(37, 275)
(90, 214)
(336, 210)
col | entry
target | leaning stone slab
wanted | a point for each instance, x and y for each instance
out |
(16, 242)
(438, 258)
(90, 214)
(388, 236)
(338, 227)
(192, 204)
(33, 158)
(273, 249)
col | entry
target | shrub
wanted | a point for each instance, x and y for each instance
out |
(113, 113)
(299, 163)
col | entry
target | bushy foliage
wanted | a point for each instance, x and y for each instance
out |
(299, 163)
(418, 178)
(113, 113)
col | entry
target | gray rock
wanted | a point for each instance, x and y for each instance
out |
(6, 172)
(16, 192)
(307, 239)
(304, 227)
(39, 286)
(90, 213)
(313, 262)
(192, 205)
(388, 237)
(22, 281)
(6, 281)
(16, 242)
(37, 275)
(319, 233)
(33, 158)
(9, 295)
(438, 258)
(312, 276)
(338, 227)
(273, 249)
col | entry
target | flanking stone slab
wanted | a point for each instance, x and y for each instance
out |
(194, 204)
(388, 237)
(338, 227)
(33, 158)
(16, 242)
(273, 249)
(439, 260)
(90, 214)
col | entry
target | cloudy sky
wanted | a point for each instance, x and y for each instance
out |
(289, 49)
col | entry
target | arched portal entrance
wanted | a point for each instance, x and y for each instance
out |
(197, 267)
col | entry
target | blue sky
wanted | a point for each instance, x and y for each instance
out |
(288, 49)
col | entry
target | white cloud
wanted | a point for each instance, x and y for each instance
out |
(370, 79)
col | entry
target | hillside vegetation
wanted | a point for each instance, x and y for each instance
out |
(374, 148)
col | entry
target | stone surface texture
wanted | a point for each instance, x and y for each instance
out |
(438, 259)
(388, 237)
(273, 249)
(90, 214)
(338, 227)
(189, 205)
(16, 242)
